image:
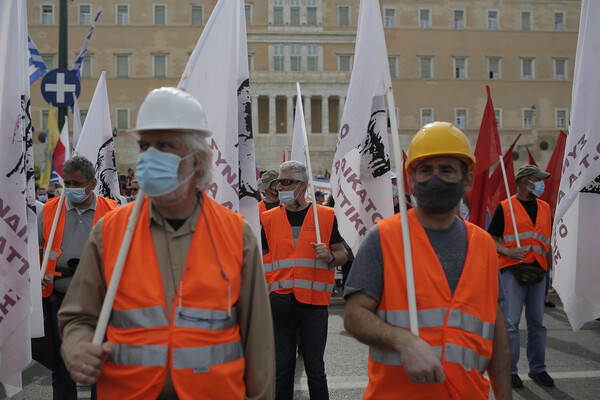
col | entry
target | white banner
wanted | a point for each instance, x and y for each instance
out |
(217, 75)
(360, 174)
(577, 271)
(96, 143)
(299, 139)
(20, 306)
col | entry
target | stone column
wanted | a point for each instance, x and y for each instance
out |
(255, 114)
(290, 114)
(272, 115)
(324, 114)
(307, 114)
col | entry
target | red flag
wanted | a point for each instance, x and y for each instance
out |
(496, 187)
(531, 160)
(487, 153)
(554, 167)
(407, 184)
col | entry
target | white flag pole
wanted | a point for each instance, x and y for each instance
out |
(300, 110)
(512, 212)
(117, 271)
(52, 233)
(410, 279)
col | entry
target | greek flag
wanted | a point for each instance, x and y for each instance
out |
(37, 67)
(77, 64)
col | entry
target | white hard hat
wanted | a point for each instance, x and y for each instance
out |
(169, 108)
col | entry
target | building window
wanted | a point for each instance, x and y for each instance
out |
(85, 14)
(122, 14)
(525, 20)
(49, 61)
(44, 120)
(159, 66)
(47, 14)
(344, 63)
(562, 118)
(83, 112)
(560, 69)
(498, 115)
(559, 21)
(248, 13)
(312, 57)
(122, 118)
(389, 17)
(459, 19)
(424, 18)
(426, 116)
(527, 68)
(393, 63)
(278, 12)
(387, 114)
(492, 20)
(250, 62)
(494, 68)
(278, 57)
(295, 12)
(344, 15)
(460, 68)
(86, 67)
(426, 67)
(460, 118)
(160, 14)
(311, 12)
(196, 14)
(527, 118)
(295, 57)
(122, 66)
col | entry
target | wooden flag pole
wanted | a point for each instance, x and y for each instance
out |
(52, 234)
(512, 212)
(117, 271)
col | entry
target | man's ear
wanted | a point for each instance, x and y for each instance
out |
(468, 183)
(93, 185)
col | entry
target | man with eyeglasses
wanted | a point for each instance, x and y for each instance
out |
(524, 268)
(462, 332)
(300, 279)
(134, 188)
(190, 318)
(81, 209)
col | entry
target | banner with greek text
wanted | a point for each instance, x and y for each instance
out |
(97, 145)
(575, 249)
(20, 306)
(361, 173)
(217, 75)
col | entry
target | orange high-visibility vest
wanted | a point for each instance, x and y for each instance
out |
(535, 239)
(459, 327)
(261, 208)
(201, 345)
(103, 205)
(297, 269)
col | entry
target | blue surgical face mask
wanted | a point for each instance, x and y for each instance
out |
(538, 188)
(76, 195)
(287, 197)
(42, 198)
(156, 171)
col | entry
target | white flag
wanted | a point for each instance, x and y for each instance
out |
(96, 143)
(217, 75)
(19, 259)
(360, 174)
(64, 139)
(299, 139)
(76, 123)
(575, 232)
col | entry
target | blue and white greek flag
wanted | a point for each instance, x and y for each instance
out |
(77, 64)
(37, 67)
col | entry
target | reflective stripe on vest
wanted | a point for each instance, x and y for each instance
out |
(299, 262)
(53, 255)
(147, 355)
(318, 286)
(280, 285)
(201, 358)
(275, 265)
(152, 317)
(149, 317)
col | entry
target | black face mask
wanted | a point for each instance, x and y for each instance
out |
(437, 196)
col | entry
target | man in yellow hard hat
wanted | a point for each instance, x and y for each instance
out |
(462, 331)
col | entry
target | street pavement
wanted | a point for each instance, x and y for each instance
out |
(572, 358)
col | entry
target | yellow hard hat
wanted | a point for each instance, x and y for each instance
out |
(439, 139)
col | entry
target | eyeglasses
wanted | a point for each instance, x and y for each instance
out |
(287, 182)
(133, 190)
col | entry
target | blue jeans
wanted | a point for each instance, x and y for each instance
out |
(311, 324)
(532, 297)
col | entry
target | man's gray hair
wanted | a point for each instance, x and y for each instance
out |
(297, 169)
(196, 142)
(80, 163)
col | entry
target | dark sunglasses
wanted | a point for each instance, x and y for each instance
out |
(287, 182)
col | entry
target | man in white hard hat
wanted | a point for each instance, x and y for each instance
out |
(191, 316)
